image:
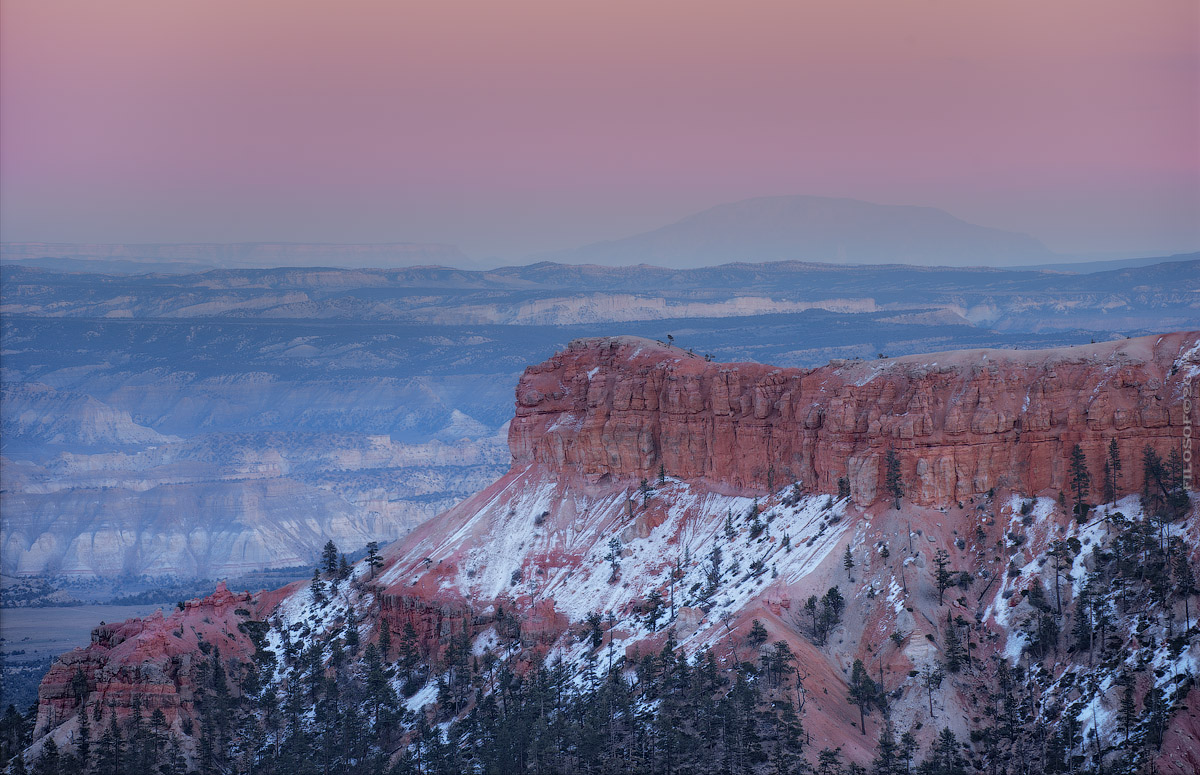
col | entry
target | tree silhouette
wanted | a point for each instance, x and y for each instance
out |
(1080, 479)
(1112, 472)
(374, 561)
(895, 485)
(862, 692)
(942, 577)
(329, 558)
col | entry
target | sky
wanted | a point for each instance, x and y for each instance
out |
(516, 127)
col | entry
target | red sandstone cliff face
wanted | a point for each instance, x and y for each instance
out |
(962, 422)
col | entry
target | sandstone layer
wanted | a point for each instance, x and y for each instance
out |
(961, 423)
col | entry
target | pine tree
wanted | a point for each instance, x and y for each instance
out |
(829, 761)
(894, 483)
(1102, 615)
(1157, 714)
(1185, 580)
(1062, 557)
(79, 686)
(385, 639)
(329, 558)
(351, 628)
(317, 587)
(953, 650)
(1128, 708)
(158, 733)
(862, 692)
(945, 758)
(83, 746)
(654, 609)
(780, 663)
(16, 731)
(832, 604)
(810, 608)
(1152, 474)
(1176, 487)
(908, 749)
(756, 525)
(613, 558)
(111, 759)
(48, 762)
(139, 749)
(757, 636)
(931, 678)
(713, 572)
(379, 691)
(595, 625)
(174, 761)
(1081, 480)
(1081, 630)
(1112, 472)
(789, 742)
(374, 561)
(943, 577)
(887, 753)
(409, 655)
(646, 491)
(848, 561)
(343, 568)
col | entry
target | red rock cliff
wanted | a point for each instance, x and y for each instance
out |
(962, 422)
(152, 660)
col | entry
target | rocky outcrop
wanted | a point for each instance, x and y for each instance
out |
(430, 619)
(961, 423)
(151, 662)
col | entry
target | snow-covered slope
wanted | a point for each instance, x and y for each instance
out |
(968, 602)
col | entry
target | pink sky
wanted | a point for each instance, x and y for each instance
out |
(516, 126)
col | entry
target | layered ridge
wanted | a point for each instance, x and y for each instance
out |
(961, 423)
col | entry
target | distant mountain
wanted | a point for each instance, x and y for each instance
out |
(1131, 301)
(1108, 265)
(114, 266)
(813, 228)
(178, 258)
